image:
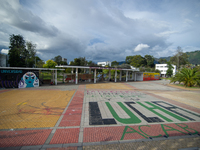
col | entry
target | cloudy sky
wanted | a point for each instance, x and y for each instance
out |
(102, 30)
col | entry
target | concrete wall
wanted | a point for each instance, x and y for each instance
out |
(139, 76)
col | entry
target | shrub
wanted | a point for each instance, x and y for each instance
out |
(189, 77)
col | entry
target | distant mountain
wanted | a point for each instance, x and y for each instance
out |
(194, 57)
(167, 58)
(122, 62)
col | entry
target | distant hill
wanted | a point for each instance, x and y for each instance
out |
(122, 62)
(194, 57)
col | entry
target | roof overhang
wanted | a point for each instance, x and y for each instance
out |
(87, 67)
(30, 68)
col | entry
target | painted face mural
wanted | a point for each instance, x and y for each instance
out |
(29, 79)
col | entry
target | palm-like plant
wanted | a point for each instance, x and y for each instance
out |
(189, 77)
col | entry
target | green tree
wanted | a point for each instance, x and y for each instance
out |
(138, 61)
(126, 66)
(58, 60)
(169, 72)
(179, 58)
(39, 62)
(157, 71)
(17, 53)
(81, 61)
(31, 55)
(114, 63)
(189, 77)
(50, 64)
(91, 64)
(149, 60)
(162, 60)
(128, 59)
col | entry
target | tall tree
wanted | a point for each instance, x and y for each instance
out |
(138, 61)
(162, 60)
(128, 59)
(114, 63)
(179, 58)
(17, 53)
(57, 59)
(169, 72)
(31, 55)
(39, 62)
(50, 64)
(91, 64)
(81, 61)
(150, 60)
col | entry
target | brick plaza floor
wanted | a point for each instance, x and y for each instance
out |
(88, 116)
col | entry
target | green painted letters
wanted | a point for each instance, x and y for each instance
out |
(132, 119)
(133, 131)
(186, 128)
(170, 129)
(147, 134)
(163, 110)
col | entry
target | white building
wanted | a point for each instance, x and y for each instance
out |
(3, 60)
(103, 64)
(163, 69)
(64, 59)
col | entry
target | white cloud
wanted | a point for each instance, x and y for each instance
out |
(66, 28)
(4, 51)
(140, 47)
(166, 33)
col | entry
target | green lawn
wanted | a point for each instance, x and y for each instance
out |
(187, 87)
(165, 78)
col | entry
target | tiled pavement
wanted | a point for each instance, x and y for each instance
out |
(97, 116)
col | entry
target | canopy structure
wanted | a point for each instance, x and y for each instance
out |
(136, 75)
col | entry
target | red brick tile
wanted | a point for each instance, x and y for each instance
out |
(23, 138)
(71, 117)
(98, 134)
(68, 123)
(62, 136)
(73, 112)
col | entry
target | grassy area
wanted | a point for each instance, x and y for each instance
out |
(165, 78)
(186, 87)
(48, 75)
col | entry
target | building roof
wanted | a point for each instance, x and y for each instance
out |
(88, 67)
(30, 68)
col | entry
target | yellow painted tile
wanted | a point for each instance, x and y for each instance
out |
(32, 108)
(116, 86)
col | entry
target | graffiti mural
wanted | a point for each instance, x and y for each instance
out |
(18, 78)
(132, 107)
(150, 76)
(29, 79)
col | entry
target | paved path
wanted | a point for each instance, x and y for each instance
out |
(131, 115)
